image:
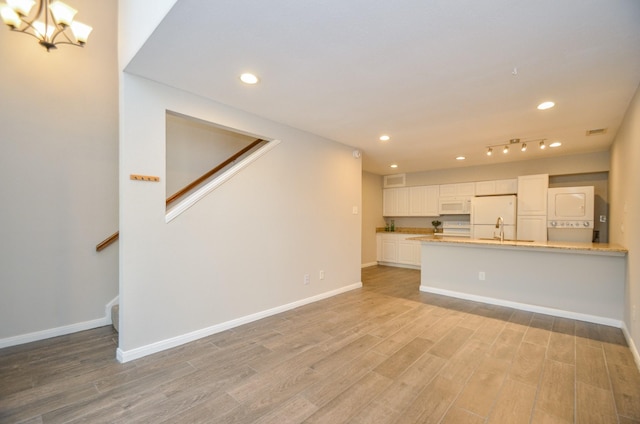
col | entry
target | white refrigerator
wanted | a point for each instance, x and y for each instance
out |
(484, 216)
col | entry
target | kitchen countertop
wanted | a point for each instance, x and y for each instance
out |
(406, 230)
(594, 248)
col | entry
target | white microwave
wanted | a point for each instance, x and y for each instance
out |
(454, 205)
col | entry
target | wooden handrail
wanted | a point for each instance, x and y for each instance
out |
(108, 241)
(113, 237)
(198, 181)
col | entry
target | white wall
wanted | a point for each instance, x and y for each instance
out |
(58, 168)
(624, 228)
(553, 165)
(371, 215)
(194, 148)
(244, 248)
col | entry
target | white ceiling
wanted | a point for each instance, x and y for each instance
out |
(436, 75)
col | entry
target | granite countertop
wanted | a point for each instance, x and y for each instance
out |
(407, 230)
(602, 248)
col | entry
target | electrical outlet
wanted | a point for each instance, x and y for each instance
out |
(307, 278)
(321, 274)
(481, 276)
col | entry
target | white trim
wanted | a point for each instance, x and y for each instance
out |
(632, 346)
(399, 265)
(54, 332)
(367, 265)
(526, 307)
(107, 308)
(193, 198)
(129, 355)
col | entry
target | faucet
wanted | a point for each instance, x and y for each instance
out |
(500, 225)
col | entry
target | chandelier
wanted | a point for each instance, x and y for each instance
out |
(52, 24)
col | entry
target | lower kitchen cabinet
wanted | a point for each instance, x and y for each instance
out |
(394, 249)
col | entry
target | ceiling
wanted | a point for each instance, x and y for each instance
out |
(443, 78)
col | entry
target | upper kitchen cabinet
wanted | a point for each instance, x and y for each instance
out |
(457, 190)
(395, 201)
(423, 200)
(532, 194)
(496, 187)
(410, 201)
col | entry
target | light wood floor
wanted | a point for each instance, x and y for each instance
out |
(382, 354)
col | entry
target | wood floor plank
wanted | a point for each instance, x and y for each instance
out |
(556, 395)
(341, 408)
(625, 382)
(397, 363)
(514, 403)
(528, 363)
(562, 348)
(594, 405)
(432, 402)
(482, 389)
(456, 415)
(591, 367)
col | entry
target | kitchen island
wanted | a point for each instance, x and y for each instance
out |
(584, 281)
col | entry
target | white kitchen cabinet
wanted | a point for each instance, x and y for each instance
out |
(532, 194)
(395, 249)
(408, 251)
(457, 190)
(496, 187)
(395, 201)
(532, 227)
(389, 248)
(423, 200)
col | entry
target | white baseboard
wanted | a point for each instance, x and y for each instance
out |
(397, 265)
(129, 355)
(526, 307)
(368, 264)
(632, 346)
(54, 332)
(61, 331)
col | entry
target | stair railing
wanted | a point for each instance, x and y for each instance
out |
(183, 191)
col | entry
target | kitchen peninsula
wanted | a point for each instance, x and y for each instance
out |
(584, 281)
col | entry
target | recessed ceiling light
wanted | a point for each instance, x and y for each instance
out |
(546, 105)
(248, 78)
(384, 138)
(555, 144)
(394, 165)
(460, 158)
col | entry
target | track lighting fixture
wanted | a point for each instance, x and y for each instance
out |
(521, 144)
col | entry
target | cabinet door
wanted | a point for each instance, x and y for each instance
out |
(485, 188)
(448, 190)
(431, 200)
(408, 250)
(389, 248)
(532, 194)
(395, 201)
(466, 189)
(417, 201)
(532, 228)
(423, 201)
(506, 186)
(389, 202)
(402, 200)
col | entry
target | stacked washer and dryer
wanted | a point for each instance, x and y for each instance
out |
(570, 214)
